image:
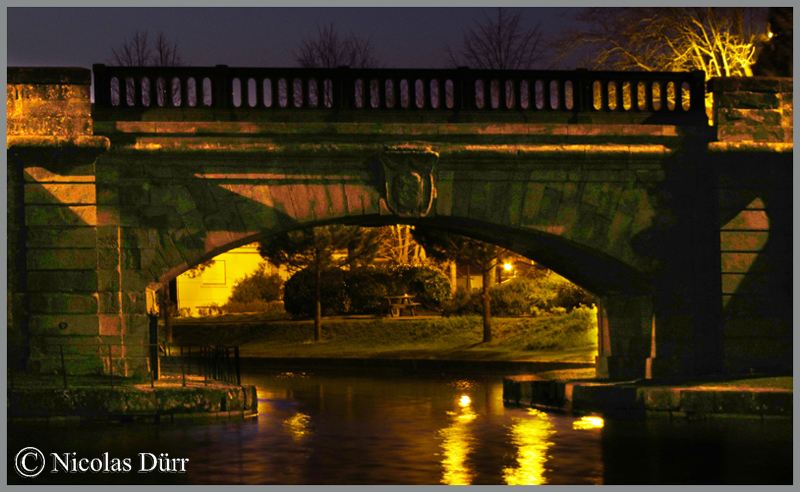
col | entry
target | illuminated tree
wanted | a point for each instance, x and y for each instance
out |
(721, 41)
(453, 247)
(398, 245)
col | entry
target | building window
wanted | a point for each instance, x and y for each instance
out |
(215, 274)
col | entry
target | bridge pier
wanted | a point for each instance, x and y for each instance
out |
(65, 289)
(624, 331)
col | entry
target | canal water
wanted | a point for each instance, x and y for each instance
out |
(384, 428)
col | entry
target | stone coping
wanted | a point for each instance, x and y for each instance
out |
(646, 401)
(388, 129)
(49, 75)
(129, 403)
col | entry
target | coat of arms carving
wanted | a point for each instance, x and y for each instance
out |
(408, 181)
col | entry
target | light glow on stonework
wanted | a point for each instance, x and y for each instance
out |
(464, 401)
(508, 266)
(588, 422)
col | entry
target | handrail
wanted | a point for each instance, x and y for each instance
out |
(211, 363)
(277, 90)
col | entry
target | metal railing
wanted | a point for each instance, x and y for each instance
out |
(279, 90)
(105, 364)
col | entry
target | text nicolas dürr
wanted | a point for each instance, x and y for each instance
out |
(148, 462)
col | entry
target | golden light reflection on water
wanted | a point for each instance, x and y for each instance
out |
(588, 422)
(298, 426)
(457, 444)
(532, 438)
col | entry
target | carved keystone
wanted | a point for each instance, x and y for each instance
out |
(408, 181)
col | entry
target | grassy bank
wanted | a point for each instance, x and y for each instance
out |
(564, 337)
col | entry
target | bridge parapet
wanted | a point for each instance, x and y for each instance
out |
(344, 94)
(753, 109)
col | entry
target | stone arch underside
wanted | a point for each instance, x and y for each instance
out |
(573, 223)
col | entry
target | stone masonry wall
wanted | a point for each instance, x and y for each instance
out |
(755, 109)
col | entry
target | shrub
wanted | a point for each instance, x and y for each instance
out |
(299, 293)
(258, 286)
(256, 306)
(428, 284)
(212, 309)
(367, 287)
(546, 293)
(462, 303)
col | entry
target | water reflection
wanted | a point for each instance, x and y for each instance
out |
(457, 444)
(588, 422)
(532, 437)
(298, 426)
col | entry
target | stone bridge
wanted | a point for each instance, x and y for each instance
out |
(614, 180)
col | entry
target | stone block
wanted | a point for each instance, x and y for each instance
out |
(175, 196)
(72, 174)
(108, 237)
(134, 195)
(108, 259)
(743, 241)
(64, 324)
(109, 302)
(134, 302)
(108, 281)
(69, 194)
(661, 398)
(134, 281)
(108, 215)
(735, 402)
(51, 303)
(131, 259)
(748, 100)
(110, 324)
(54, 215)
(774, 402)
(698, 401)
(61, 259)
(752, 220)
(48, 237)
(107, 194)
(136, 327)
(62, 281)
(744, 130)
(754, 117)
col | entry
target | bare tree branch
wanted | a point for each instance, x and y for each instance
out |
(500, 43)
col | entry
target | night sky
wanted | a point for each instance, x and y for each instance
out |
(246, 37)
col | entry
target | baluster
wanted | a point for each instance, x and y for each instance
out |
(604, 97)
(648, 96)
(546, 105)
(562, 94)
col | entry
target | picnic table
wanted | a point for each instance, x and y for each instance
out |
(397, 304)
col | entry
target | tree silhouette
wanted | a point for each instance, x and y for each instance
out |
(313, 249)
(443, 246)
(139, 50)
